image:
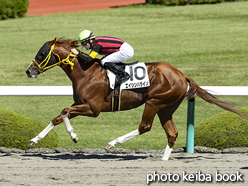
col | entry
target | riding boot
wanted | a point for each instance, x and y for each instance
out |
(119, 72)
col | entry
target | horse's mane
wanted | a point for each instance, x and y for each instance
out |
(67, 43)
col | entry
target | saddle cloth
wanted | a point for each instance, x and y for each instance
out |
(138, 77)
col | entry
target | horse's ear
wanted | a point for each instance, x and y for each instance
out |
(52, 42)
(75, 43)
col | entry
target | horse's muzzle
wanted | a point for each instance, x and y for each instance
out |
(32, 73)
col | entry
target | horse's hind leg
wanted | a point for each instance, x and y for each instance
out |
(167, 123)
(172, 133)
(122, 139)
(145, 126)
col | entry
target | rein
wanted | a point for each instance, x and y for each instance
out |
(44, 67)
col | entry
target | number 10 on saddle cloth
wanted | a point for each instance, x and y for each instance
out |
(138, 79)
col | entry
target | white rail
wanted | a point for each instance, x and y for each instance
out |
(67, 90)
(36, 91)
(227, 90)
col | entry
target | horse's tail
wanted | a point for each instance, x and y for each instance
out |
(195, 90)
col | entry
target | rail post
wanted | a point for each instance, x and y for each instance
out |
(190, 126)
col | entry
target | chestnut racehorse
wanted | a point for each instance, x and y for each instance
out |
(92, 95)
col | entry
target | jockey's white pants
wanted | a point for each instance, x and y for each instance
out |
(126, 52)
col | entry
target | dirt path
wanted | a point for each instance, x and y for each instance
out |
(124, 170)
(42, 7)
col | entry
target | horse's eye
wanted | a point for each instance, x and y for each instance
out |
(41, 55)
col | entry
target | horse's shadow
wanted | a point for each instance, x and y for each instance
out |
(106, 157)
(194, 157)
(102, 157)
(245, 168)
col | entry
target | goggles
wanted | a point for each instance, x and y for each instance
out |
(83, 43)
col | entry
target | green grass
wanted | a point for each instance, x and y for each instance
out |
(223, 130)
(206, 42)
(16, 131)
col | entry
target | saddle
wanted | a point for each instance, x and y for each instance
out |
(138, 79)
(126, 64)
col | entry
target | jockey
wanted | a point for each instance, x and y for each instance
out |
(114, 49)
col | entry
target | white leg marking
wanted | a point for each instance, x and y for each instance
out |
(41, 135)
(124, 138)
(69, 128)
(167, 153)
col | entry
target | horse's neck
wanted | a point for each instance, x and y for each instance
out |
(82, 71)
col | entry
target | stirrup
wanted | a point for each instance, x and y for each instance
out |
(120, 80)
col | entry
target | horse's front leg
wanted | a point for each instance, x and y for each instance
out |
(70, 112)
(66, 114)
(69, 128)
(41, 135)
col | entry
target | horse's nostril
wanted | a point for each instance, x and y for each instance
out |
(27, 72)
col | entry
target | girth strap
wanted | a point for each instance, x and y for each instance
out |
(116, 99)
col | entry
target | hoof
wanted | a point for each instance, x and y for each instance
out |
(75, 140)
(164, 159)
(32, 143)
(109, 146)
(167, 159)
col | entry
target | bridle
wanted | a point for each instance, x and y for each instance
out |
(45, 65)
